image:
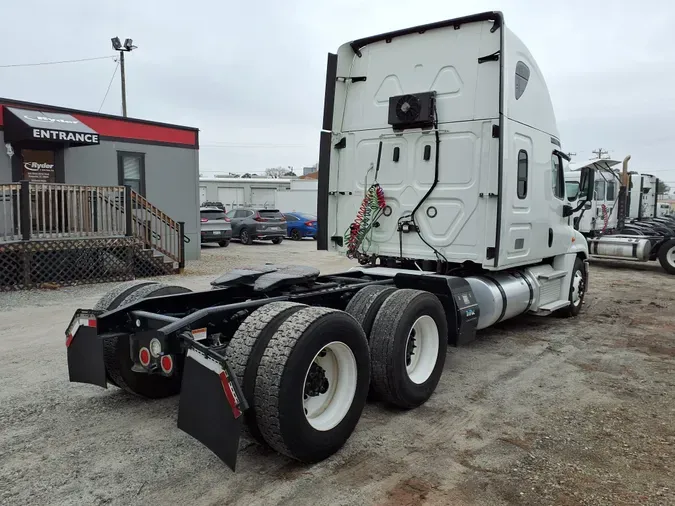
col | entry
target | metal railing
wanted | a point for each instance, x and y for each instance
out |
(10, 212)
(47, 211)
(157, 229)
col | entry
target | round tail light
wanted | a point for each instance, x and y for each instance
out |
(167, 364)
(144, 356)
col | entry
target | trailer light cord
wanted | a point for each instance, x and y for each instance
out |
(372, 207)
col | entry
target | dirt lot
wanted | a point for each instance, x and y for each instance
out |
(537, 411)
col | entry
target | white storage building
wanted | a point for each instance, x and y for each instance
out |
(242, 192)
(300, 197)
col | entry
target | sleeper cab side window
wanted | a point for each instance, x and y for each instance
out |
(522, 78)
(522, 174)
(557, 177)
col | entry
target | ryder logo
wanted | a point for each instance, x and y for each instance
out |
(35, 166)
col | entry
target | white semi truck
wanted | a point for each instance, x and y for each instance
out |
(441, 173)
(622, 218)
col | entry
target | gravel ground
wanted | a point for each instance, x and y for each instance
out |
(537, 411)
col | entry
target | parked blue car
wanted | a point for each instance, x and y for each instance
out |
(300, 225)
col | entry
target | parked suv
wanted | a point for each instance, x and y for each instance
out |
(215, 226)
(250, 224)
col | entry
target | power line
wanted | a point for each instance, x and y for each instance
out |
(56, 62)
(109, 85)
(241, 145)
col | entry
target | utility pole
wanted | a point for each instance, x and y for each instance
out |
(127, 47)
(600, 152)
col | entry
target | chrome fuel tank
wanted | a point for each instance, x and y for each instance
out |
(501, 296)
(611, 246)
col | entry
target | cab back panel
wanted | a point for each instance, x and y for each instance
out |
(446, 61)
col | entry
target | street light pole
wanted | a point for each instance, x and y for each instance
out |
(124, 85)
(128, 46)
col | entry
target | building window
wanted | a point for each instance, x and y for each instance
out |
(522, 174)
(557, 177)
(131, 167)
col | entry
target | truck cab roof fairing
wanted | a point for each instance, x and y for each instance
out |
(495, 16)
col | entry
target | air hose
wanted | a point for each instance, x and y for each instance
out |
(372, 205)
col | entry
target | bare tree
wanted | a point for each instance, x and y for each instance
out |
(276, 172)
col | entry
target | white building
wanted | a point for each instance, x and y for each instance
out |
(300, 197)
(242, 192)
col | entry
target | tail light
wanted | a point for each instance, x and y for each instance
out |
(166, 363)
(227, 220)
(144, 356)
(257, 217)
(283, 218)
(204, 220)
(309, 223)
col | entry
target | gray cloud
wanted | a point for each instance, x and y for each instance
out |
(253, 73)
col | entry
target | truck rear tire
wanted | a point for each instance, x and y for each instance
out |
(667, 256)
(312, 383)
(366, 303)
(577, 290)
(112, 300)
(117, 354)
(408, 344)
(246, 348)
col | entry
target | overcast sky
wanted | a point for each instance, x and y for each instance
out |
(250, 75)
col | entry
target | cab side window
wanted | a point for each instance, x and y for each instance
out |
(557, 177)
(600, 190)
(522, 174)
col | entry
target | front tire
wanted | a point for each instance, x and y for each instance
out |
(408, 344)
(245, 237)
(312, 384)
(577, 290)
(667, 256)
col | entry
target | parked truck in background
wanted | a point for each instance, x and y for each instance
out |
(441, 173)
(622, 218)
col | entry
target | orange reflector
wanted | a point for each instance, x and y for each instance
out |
(144, 356)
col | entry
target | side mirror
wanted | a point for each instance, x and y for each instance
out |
(567, 210)
(588, 205)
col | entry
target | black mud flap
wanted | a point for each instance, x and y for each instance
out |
(85, 350)
(211, 404)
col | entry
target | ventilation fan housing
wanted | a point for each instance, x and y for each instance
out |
(415, 110)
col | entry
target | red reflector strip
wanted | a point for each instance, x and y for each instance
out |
(230, 394)
(80, 322)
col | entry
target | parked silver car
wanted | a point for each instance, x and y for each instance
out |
(215, 226)
(252, 224)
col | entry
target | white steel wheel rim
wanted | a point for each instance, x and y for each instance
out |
(327, 409)
(421, 349)
(670, 256)
(577, 288)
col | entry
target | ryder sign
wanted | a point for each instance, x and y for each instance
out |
(57, 135)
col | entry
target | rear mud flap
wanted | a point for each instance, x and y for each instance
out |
(85, 351)
(211, 405)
